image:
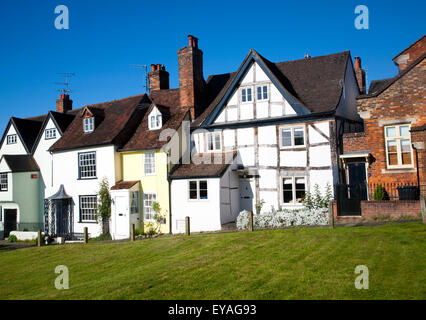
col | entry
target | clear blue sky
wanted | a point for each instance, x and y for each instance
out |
(106, 37)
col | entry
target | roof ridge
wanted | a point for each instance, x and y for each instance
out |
(112, 101)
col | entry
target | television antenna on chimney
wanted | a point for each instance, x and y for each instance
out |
(66, 83)
(142, 66)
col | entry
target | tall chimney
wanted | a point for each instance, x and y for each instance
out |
(191, 79)
(63, 104)
(360, 75)
(158, 78)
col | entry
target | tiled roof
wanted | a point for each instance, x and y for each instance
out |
(123, 185)
(21, 163)
(207, 170)
(377, 85)
(314, 82)
(116, 121)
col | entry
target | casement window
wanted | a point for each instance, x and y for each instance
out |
(134, 202)
(214, 142)
(292, 137)
(294, 189)
(149, 198)
(198, 189)
(50, 134)
(246, 95)
(398, 146)
(149, 163)
(3, 182)
(155, 122)
(12, 139)
(88, 205)
(87, 165)
(262, 92)
(89, 125)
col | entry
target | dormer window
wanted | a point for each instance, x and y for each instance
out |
(89, 125)
(155, 119)
(50, 134)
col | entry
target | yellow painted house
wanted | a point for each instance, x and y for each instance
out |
(146, 160)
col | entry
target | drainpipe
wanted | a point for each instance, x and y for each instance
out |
(417, 166)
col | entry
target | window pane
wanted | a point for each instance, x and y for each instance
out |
(393, 159)
(288, 190)
(209, 142)
(259, 93)
(217, 141)
(392, 146)
(149, 164)
(158, 120)
(249, 98)
(193, 185)
(298, 137)
(192, 189)
(193, 194)
(286, 137)
(265, 92)
(390, 132)
(404, 131)
(203, 184)
(243, 95)
(300, 189)
(405, 146)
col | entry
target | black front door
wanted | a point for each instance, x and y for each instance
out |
(357, 180)
(62, 217)
(10, 216)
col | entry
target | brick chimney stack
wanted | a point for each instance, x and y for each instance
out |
(191, 80)
(158, 78)
(63, 104)
(360, 75)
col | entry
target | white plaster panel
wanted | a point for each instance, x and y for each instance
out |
(267, 135)
(245, 136)
(249, 77)
(320, 156)
(276, 96)
(268, 178)
(246, 111)
(260, 75)
(246, 156)
(234, 99)
(315, 137)
(288, 110)
(271, 200)
(293, 158)
(221, 117)
(232, 114)
(262, 109)
(268, 156)
(228, 138)
(321, 178)
(276, 109)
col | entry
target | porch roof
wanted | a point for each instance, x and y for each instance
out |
(120, 185)
(21, 163)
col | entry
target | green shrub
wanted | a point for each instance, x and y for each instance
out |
(12, 238)
(316, 200)
(139, 232)
(380, 193)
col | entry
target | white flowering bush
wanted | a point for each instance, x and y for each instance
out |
(285, 218)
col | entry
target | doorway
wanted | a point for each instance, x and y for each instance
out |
(10, 221)
(122, 225)
(246, 195)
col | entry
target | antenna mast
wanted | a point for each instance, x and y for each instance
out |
(66, 84)
(144, 67)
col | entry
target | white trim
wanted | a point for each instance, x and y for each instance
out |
(241, 94)
(214, 134)
(144, 163)
(293, 189)
(143, 205)
(398, 138)
(198, 190)
(292, 128)
(89, 125)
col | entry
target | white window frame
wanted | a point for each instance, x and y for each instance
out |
(155, 121)
(292, 129)
(82, 165)
(12, 139)
(246, 94)
(4, 182)
(293, 189)
(50, 133)
(145, 207)
(262, 87)
(134, 202)
(213, 134)
(89, 125)
(197, 181)
(398, 138)
(93, 202)
(152, 165)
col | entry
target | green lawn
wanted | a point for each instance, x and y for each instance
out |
(279, 264)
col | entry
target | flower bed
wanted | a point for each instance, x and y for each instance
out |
(285, 218)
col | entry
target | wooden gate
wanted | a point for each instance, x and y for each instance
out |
(349, 198)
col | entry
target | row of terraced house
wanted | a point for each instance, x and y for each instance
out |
(268, 132)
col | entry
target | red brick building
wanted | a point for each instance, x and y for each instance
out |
(391, 149)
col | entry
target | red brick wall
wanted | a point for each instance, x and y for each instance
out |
(354, 142)
(414, 52)
(402, 101)
(371, 210)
